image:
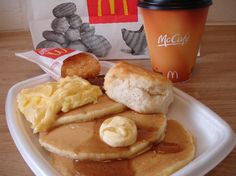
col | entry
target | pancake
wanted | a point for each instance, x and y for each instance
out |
(104, 106)
(177, 150)
(174, 152)
(82, 141)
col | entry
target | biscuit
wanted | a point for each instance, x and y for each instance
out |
(140, 90)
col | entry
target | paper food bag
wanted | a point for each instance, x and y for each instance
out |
(50, 60)
(110, 29)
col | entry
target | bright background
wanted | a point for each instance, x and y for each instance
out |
(13, 14)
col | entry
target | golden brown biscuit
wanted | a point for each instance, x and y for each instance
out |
(83, 65)
(139, 89)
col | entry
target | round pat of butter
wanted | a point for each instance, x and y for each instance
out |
(118, 131)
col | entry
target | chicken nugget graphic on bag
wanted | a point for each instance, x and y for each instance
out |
(97, 44)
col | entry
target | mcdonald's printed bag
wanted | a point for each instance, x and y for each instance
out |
(110, 29)
(50, 59)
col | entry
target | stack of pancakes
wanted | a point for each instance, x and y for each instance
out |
(162, 146)
(78, 137)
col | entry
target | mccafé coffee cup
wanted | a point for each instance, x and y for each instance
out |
(173, 30)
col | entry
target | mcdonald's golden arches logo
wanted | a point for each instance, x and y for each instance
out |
(53, 53)
(109, 11)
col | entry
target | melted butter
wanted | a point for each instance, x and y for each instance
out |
(118, 131)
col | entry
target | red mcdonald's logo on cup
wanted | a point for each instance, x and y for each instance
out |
(53, 53)
(110, 11)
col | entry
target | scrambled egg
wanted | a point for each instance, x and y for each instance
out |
(40, 104)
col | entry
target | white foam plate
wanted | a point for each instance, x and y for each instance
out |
(214, 137)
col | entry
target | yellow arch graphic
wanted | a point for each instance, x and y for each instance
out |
(99, 7)
(125, 5)
(112, 7)
(58, 52)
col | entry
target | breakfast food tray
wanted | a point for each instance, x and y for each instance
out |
(214, 138)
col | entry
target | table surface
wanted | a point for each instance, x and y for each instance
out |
(213, 83)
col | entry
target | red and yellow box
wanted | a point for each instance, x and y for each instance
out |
(111, 11)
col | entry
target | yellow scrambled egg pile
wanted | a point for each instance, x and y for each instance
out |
(41, 104)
